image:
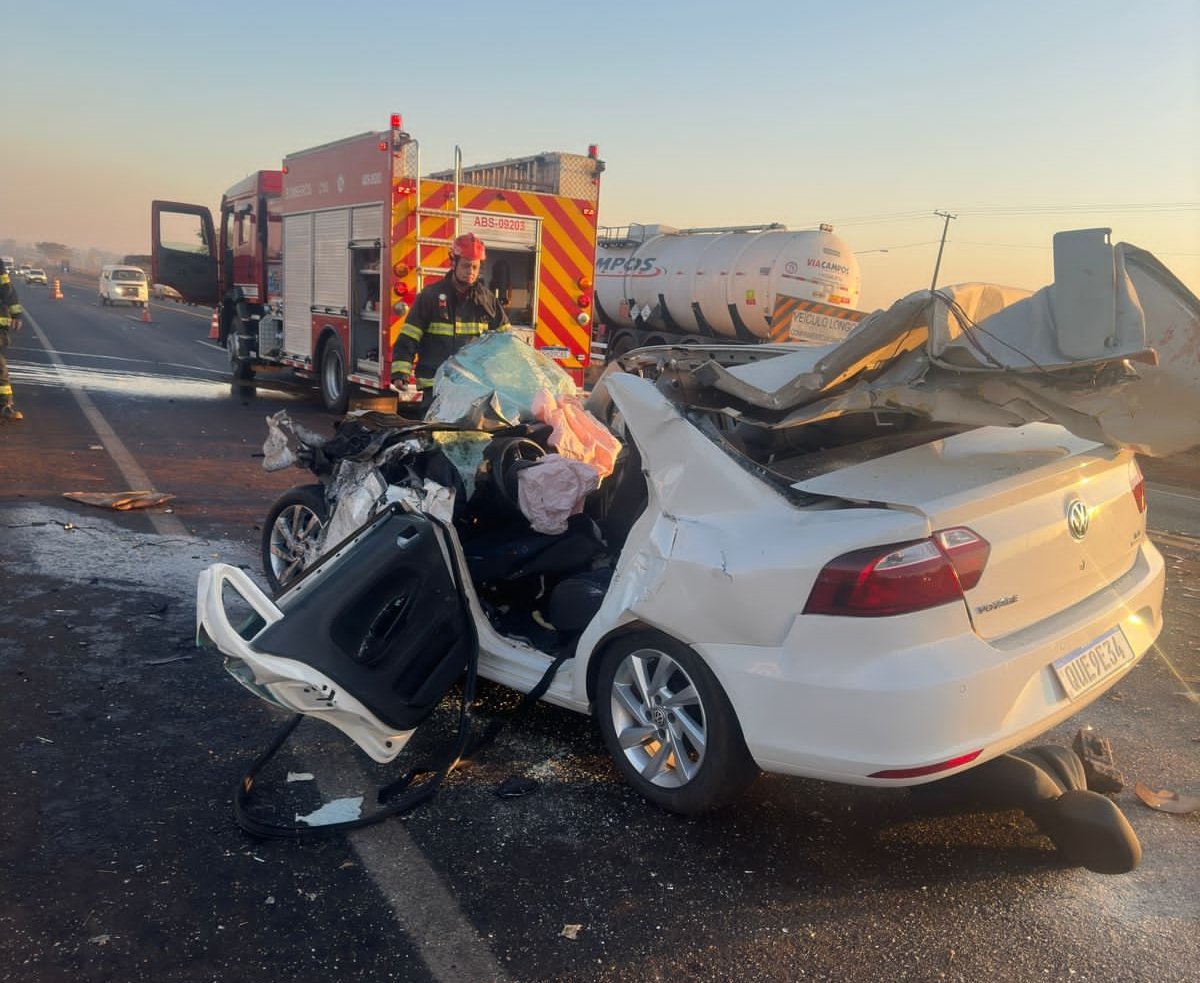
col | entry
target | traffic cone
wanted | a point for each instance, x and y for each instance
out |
(146, 313)
(214, 327)
(56, 293)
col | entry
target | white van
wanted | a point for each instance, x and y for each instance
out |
(123, 283)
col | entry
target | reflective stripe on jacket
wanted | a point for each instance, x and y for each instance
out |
(10, 307)
(440, 323)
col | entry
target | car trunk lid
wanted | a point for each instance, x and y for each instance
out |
(1057, 510)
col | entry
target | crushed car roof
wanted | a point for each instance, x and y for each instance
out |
(1110, 350)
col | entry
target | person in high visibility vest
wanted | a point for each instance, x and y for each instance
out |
(10, 321)
(446, 315)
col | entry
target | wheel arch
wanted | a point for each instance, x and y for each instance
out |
(326, 333)
(638, 626)
(596, 655)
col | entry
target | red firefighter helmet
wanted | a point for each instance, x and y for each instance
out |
(468, 246)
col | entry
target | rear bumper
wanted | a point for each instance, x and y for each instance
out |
(839, 701)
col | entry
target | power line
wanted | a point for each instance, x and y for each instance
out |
(984, 211)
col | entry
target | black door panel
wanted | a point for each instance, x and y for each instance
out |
(384, 621)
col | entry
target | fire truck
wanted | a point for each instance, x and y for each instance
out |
(316, 265)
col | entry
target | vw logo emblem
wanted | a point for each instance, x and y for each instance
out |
(1077, 519)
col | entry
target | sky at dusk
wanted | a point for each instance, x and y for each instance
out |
(1022, 118)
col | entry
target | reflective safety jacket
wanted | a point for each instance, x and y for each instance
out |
(10, 307)
(439, 324)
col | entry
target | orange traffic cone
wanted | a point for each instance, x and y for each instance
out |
(214, 327)
(56, 293)
(146, 313)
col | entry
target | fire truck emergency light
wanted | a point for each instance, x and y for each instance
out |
(395, 121)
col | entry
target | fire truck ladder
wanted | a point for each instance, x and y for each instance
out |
(426, 244)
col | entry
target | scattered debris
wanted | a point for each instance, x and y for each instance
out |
(44, 740)
(515, 786)
(168, 661)
(1165, 800)
(121, 501)
(570, 932)
(299, 776)
(100, 939)
(337, 811)
(1098, 765)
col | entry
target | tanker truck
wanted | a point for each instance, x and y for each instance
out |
(657, 285)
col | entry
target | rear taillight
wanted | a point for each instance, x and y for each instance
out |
(967, 551)
(1139, 488)
(902, 577)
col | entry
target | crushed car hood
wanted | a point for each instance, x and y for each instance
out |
(1110, 350)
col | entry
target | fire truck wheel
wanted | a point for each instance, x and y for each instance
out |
(241, 368)
(335, 389)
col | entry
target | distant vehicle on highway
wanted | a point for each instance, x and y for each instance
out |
(163, 292)
(123, 283)
(35, 276)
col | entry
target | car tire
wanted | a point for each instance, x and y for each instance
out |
(335, 387)
(657, 703)
(289, 533)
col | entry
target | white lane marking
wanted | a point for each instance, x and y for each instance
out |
(208, 344)
(164, 525)
(424, 908)
(180, 310)
(1162, 491)
(126, 358)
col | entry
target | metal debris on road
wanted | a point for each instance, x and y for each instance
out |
(571, 932)
(1166, 800)
(337, 811)
(121, 501)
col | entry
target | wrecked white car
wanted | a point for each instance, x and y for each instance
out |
(881, 563)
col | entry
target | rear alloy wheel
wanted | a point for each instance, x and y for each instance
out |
(292, 534)
(669, 726)
(335, 388)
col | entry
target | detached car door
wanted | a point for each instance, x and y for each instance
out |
(380, 619)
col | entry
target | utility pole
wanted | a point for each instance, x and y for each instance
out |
(941, 245)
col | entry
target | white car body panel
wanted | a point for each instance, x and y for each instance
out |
(724, 561)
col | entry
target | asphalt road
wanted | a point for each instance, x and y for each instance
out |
(122, 744)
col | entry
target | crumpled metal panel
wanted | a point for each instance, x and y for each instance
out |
(1112, 353)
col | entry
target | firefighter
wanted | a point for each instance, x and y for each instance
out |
(446, 315)
(10, 321)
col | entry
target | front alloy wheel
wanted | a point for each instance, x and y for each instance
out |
(669, 726)
(292, 534)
